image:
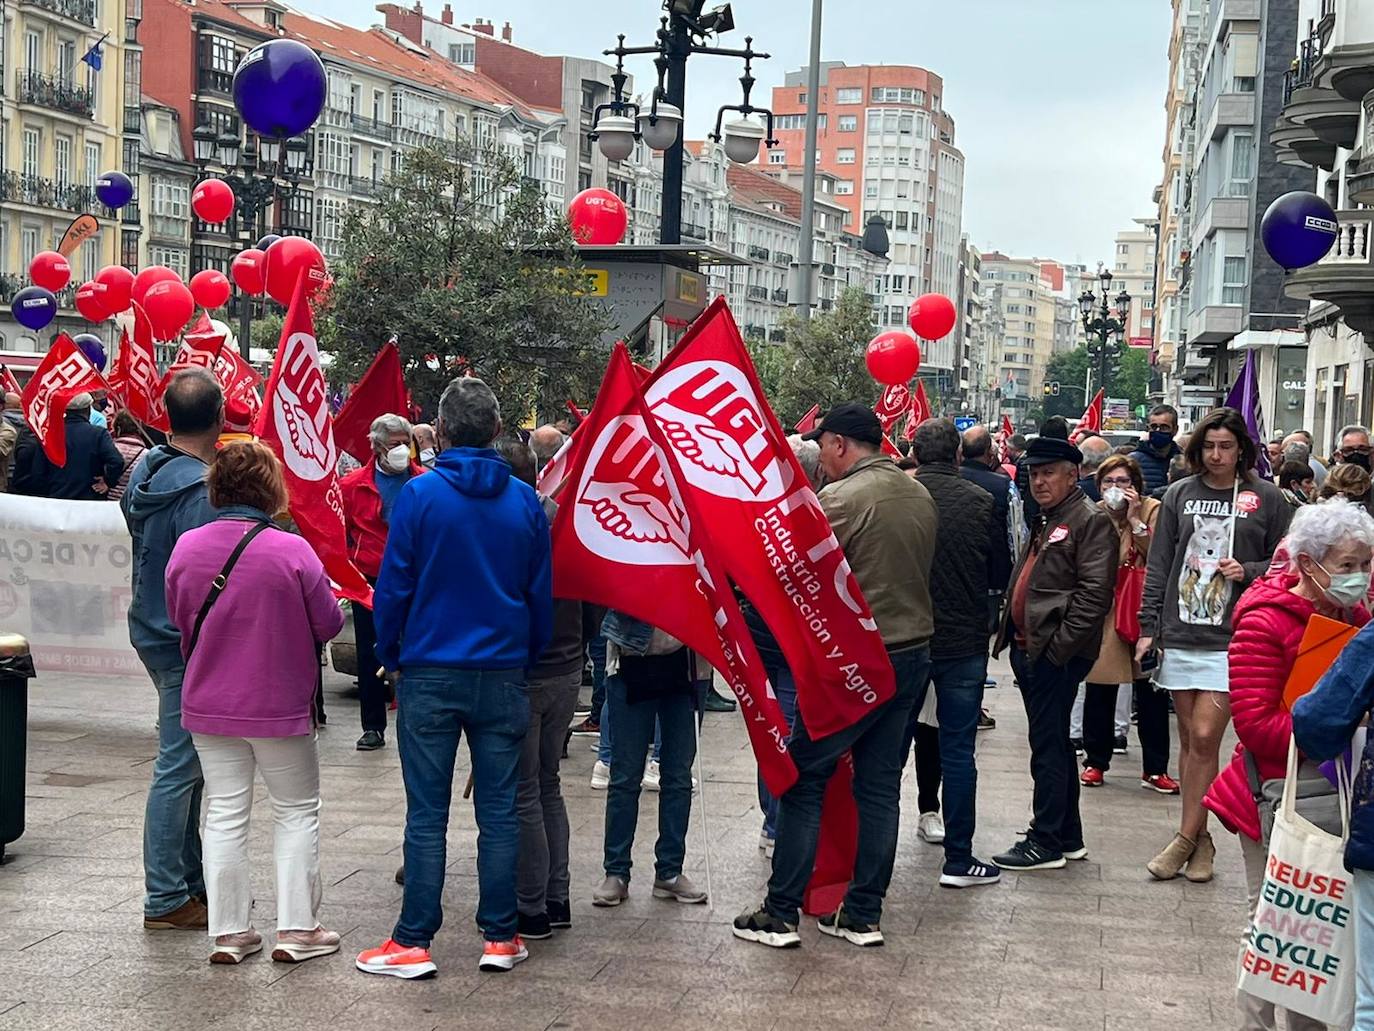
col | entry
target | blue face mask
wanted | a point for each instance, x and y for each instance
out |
(1160, 439)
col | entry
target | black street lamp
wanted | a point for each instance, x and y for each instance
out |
(1105, 332)
(685, 30)
(258, 175)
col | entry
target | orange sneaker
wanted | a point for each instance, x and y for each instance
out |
(397, 960)
(498, 957)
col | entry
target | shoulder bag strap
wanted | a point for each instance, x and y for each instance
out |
(218, 584)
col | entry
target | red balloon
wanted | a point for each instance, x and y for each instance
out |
(119, 286)
(932, 316)
(598, 216)
(287, 260)
(144, 281)
(91, 299)
(50, 270)
(169, 306)
(212, 200)
(893, 357)
(247, 270)
(210, 287)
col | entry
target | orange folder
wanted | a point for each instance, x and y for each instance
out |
(1321, 642)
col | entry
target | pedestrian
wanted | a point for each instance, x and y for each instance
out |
(425, 445)
(9, 442)
(239, 415)
(1346, 480)
(1056, 427)
(1216, 533)
(885, 523)
(254, 607)
(1053, 624)
(1158, 448)
(542, 887)
(461, 640)
(166, 497)
(93, 463)
(1305, 438)
(131, 446)
(1133, 519)
(1297, 484)
(1096, 450)
(959, 646)
(1327, 574)
(369, 498)
(13, 415)
(1274, 449)
(1012, 450)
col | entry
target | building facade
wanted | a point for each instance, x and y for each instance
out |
(1022, 296)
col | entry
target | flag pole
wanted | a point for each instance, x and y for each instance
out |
(697, 714)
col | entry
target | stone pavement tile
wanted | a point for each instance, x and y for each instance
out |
(48, 1016)
(841, 1008)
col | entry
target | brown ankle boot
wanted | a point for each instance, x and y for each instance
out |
(1166, 865)
(1200, 864)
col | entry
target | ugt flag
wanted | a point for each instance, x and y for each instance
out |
(63, 373)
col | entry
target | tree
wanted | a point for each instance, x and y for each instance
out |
(1130, 381)
(471, 269)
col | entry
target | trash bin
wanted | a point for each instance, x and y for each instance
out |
(16, 667)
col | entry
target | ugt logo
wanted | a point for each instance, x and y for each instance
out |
(301, 412)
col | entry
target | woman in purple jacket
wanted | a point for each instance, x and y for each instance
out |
(252, 661)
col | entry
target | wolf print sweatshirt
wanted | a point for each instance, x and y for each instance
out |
(1187, 602)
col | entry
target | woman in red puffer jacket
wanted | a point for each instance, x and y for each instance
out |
(1328, 545)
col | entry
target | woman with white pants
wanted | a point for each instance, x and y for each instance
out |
(253, 605)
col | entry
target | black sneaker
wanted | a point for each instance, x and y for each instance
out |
(718, 703)
(535, 928)
(839, 925)
(401, 875)
(985, 721)
(969, 875)
(560, 914)
(371, 741)
(582, 709)
(762, 927)
(1027, 855)
(1119, 746)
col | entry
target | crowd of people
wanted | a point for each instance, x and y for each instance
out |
(1171, 567)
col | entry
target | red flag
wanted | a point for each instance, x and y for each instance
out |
(773, 538)
(890, 449)
(8, 383)
(381, 391)
(892, 404)
(837, 845)
(808, 422)
(920, 410)
(201, 338)
(295, 423)
(142, 384)
(63, 373)
(239, 381)
(624, 537)
(1092, 419)
(1007, 430)
(577, 413)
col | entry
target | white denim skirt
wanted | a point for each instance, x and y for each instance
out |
(1189, 669)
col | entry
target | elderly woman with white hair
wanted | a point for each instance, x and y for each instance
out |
(1329, 550)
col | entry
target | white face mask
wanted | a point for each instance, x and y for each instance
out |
(397, 459)
(1115, 497)
(426, 455)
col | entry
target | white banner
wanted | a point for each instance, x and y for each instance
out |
(65, 584)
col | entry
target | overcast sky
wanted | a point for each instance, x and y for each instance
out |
(1058, 104)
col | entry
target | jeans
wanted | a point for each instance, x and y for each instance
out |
(634, 731)
(786, 690)
(596, 651)
(437, 707)
(876, 746)
(605, 746)
(1101, 703)
(543, 871)
(958, 687)
(1047, 691)
(1364, 948)
(371, 688)
(290, 767)
(172, 870)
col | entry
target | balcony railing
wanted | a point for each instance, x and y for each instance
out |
(760, 253)
(782, 258)
(1352, 241)
(827, 269)
(212, 80)
(777, 336)
(1301, 74)
(695, 232)
(10, 284)
(77, 10)
(757, 293)
(365, 186)
(780, 295)
(373, 127)
(36, 88)
(44, 193)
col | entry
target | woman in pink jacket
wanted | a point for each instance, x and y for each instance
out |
(1328, 545)
(252, 662)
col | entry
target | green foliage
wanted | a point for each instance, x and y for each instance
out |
(470, 270)
(1131, 380)
(266, 332)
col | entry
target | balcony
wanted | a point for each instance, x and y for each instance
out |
(44, 193)
(758, 253)
(826, 304)
(77, 10)
(373, 127)
(11, 284)
(782, 258)
(777, 336)
(213, 80)
(1346, 64)
(1232, 110)
(170, 229)
(780, 296)
(828, 270)
(365, 186)
(1222, 213)
(1216, 323)
(695, 232)
(1331, 119)
(1345, 277)
(757, 293)
(32, 87)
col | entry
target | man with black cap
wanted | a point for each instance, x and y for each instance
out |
(885, 522)
(1060, 590)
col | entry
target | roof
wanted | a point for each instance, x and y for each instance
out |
(763, 191)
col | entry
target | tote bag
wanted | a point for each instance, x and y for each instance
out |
(1299, 950)
(1130, 591)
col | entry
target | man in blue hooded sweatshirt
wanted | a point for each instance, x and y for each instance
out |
(463, 606)
(167, 496)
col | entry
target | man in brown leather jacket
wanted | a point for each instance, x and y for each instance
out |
(1059, 596)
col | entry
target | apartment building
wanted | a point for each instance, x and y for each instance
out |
(1022, 297)
(1134, 270)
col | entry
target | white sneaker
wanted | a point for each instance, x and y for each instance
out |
(651, 776)
(601, 776)
(931, 828)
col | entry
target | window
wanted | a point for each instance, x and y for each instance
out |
(175, 258)
(849, 96)
(128, 249)
(844, 156)
(90, 259)
(870, 191)
(1233, 281)
(93, 168)
(462, 53)
(849, 123)
(171, 200)
(1242, 163)
(32, 142)
(66, 60)
(62, 160)
(1243, 84)
(902, 220)
(777, 157)
(905, 123)
(844, 187)
(28, 245)
(33, 51)
(131, 161)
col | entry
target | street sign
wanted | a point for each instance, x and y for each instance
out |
(963, 423)
(1140, 411)
(1145, 343)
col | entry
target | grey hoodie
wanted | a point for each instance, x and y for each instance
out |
(166, 496)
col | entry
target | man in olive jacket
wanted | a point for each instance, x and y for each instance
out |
(1061, 591)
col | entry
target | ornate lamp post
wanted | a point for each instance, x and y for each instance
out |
(1105, 327)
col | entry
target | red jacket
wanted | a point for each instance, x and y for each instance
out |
(363, 517)
(1268, 622)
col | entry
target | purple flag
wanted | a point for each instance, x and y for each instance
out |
(1244, 398)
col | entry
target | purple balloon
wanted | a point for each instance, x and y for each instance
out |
(33, 307)
(93, 348)
(267, 241)
(1298, 229)
(279, 88)
(114, 189)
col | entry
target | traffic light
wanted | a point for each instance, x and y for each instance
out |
(1049, 389)
(1052, 388)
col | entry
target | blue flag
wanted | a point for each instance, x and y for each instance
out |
(93, 56)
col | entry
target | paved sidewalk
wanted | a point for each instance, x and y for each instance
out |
(1095, 947)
